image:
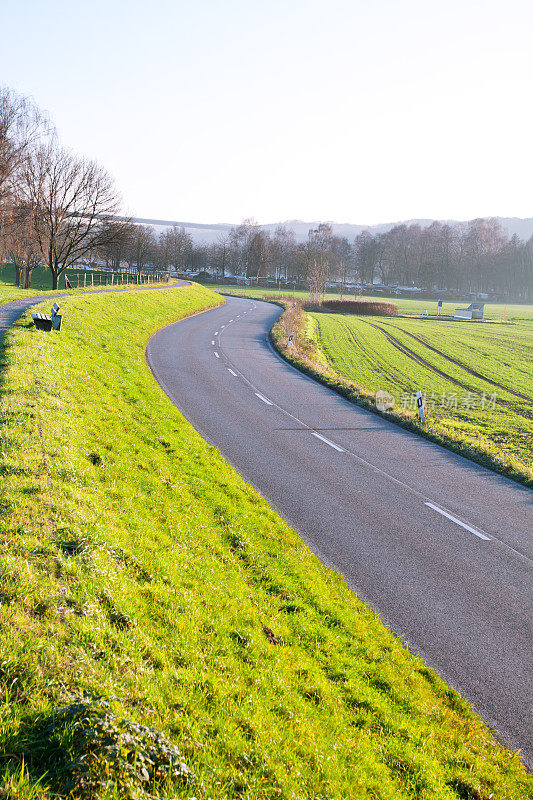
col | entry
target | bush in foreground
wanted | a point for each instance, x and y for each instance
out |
(85, 748)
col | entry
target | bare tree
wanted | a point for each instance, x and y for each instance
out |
(342, 260)
(176, 245)
(257, 254)
(319, 259)
(141, 252)
(282, 246)
(21, 245)
(221, 254)
(71, 199)
(118, 237)
(22, 126)
(249, 243)
(366, 256)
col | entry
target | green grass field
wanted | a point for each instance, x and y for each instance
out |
(41, 282)
(477, 379)
(137, 565)
(496, 312)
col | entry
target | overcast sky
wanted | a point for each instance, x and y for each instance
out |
(360, 111)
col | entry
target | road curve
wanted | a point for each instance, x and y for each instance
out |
(438, 545)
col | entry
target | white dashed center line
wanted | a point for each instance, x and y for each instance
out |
(212, 341)
(233, 373)
(260, 396)
(216, 354)
(215, 333)
(327, 441)
(458, 522)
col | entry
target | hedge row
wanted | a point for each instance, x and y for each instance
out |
(375, 307)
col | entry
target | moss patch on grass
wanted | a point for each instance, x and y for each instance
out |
(137, 566)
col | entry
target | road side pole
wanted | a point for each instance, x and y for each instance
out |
(420, 406)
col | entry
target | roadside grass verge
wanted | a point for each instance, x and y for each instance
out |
(477, 382)
(163, 632)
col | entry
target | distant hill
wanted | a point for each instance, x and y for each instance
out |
(210, 233)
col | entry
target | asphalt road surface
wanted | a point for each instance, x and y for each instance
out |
(438, 545)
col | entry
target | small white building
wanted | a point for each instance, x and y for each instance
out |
(474, 311)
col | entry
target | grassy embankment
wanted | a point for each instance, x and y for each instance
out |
(138, 565)
(477, 379)
(41, 282)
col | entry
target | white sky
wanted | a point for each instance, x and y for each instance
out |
(360, 111)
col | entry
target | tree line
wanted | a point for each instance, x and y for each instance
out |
(60, 209)
(476, 256)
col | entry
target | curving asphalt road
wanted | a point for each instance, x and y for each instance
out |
(438, 545)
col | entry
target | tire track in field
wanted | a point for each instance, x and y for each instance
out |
(423, 363)
(460, 364)
(370, 355)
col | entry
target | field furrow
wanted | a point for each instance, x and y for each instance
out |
(467, 403)
(462, 384)
(461, 364)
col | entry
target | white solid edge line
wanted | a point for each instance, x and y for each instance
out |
(327, 441)
(216, 354)
(458, 522)
(264, 399)
(233, 373)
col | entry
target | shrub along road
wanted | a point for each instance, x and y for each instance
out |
(437, 544)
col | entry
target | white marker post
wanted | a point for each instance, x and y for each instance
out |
(290, 338)
(439, 306)
(420, 405)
